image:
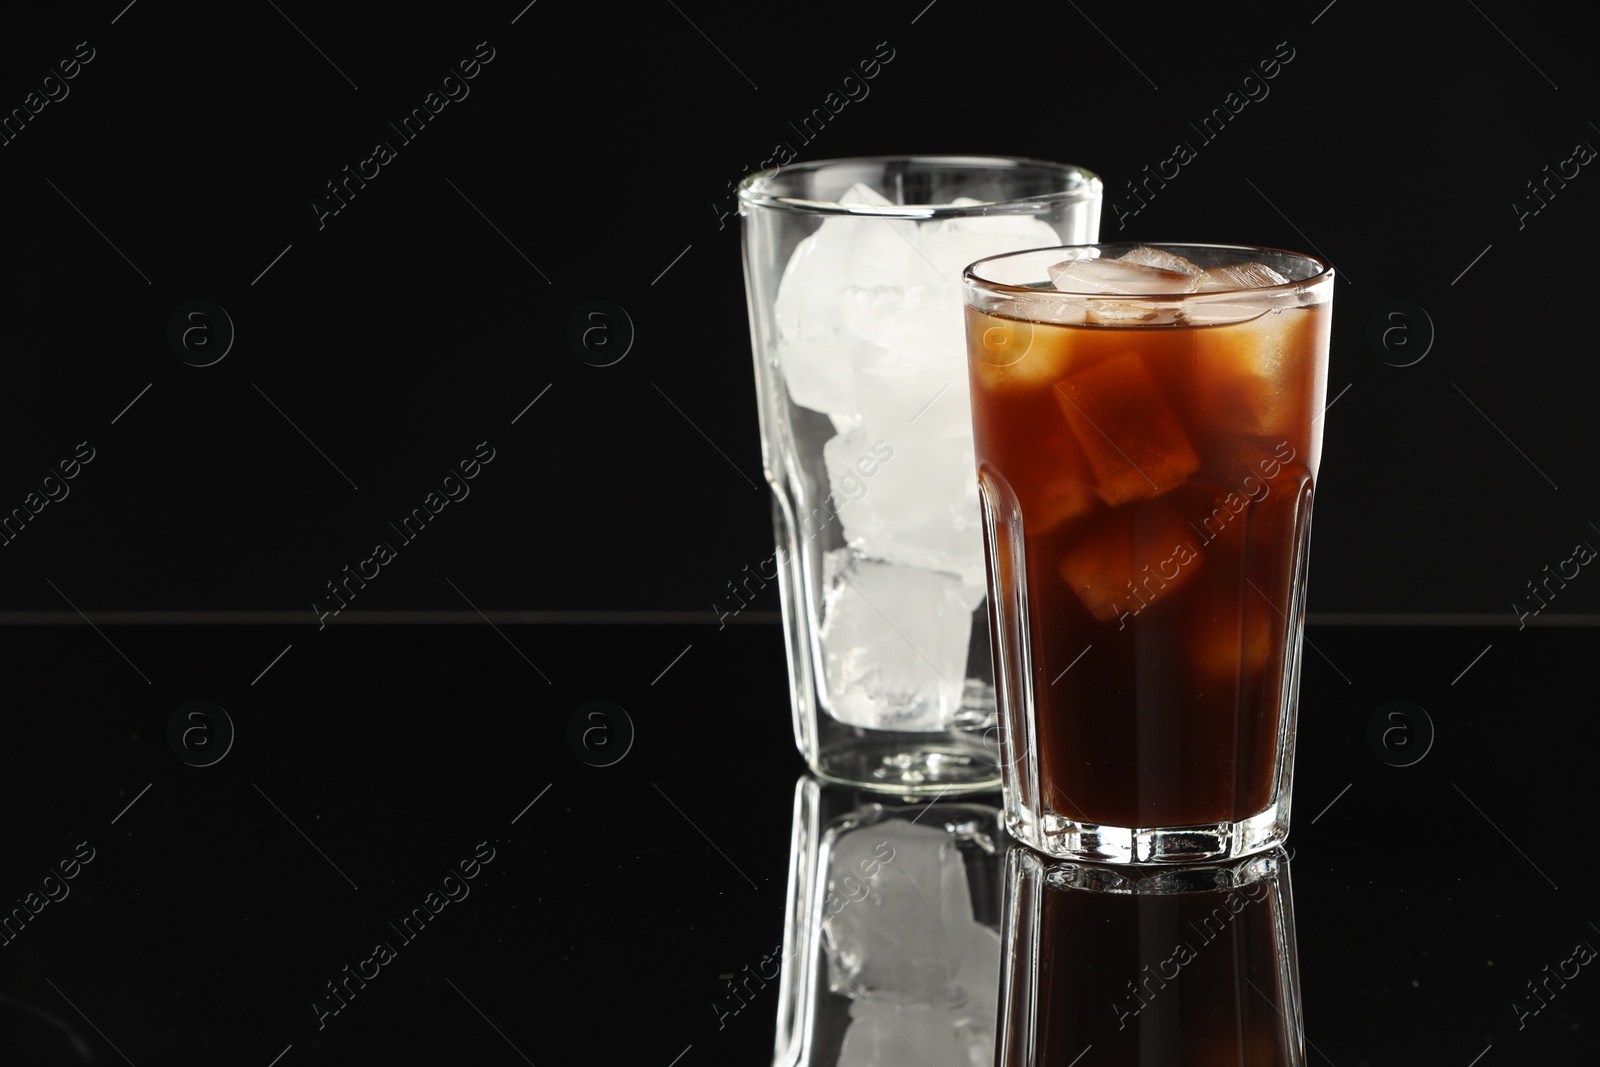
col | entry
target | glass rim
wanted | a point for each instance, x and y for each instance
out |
(1088, 186)
(972, 280)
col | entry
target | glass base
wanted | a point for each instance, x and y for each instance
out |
(895, 763)
(1067, 839)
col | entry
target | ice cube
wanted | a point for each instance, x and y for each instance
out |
(1016, 353)
(1239, 276)
(1132, 557)
(894, 641)
(951, 244)
(1252, 377)
(1155, 257)
(1119, 276)
(1056, 501)
(1132, 313)
(1234, 279)
(900, 939)
(1238, 307)
(885, 295)
(1046, 470)
(820, 372)
(882, 250)
(1226, 638)
(973, 594)
(1229, 640)
(862, 193)
(948, 544)
(1242, 465)
(816, 351)
(851, 462)
(1134, 442)
(1238, 630)
(806, 302)
(911, 505)
(844, 251)
(912, 377)
(920, 507)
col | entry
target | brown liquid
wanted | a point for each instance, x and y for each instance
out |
(1188, 980)
(1147, 490)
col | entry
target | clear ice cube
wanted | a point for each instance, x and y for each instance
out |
(911, 377)
(820, 372)
(1239, 276)
(919, 508)
(951, 244)
(1155, 257)
(895, 641)
(852, 463)
(844, 252)
(1119, 277)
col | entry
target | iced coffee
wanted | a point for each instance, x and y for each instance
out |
(1147, 435)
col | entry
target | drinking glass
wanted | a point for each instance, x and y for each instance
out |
(852, 270)
(1148, 433)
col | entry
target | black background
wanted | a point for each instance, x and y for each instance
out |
(619, 904)
(374, 352)
(599, 146)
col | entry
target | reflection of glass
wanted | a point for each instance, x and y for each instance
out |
(1148, 438)
(853, 273)
(891, 948)
(1173, 967)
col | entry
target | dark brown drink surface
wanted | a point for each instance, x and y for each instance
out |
(1190, 980)
(1151, 485)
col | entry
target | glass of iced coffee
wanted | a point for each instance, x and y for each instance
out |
(1147, 424)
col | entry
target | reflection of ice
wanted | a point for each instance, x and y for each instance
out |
(891, 1035)
(922, 974)
(870, 332)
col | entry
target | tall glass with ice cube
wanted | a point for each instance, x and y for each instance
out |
(1148, 429)
(853, 275)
